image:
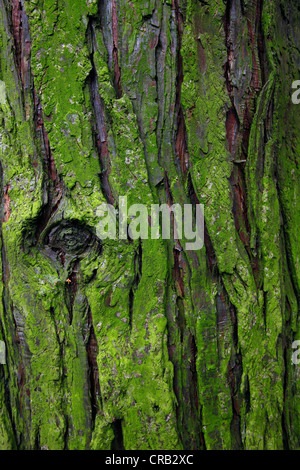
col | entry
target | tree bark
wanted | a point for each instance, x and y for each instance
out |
(123, 344)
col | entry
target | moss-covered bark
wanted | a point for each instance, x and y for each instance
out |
(141, 344)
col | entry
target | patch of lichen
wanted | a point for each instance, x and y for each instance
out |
(128, 171)
(7, 438)
(136, 375)
(135, 35)
(204, 106)
(205, 102)
(7, 441)
(205, 111)
(61, 64)
(285, 149)
(137, 52)
(22, 184)
(56, 363)
(37, 293)
(273, 160)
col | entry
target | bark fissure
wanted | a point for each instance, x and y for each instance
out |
(99, 127)
(237, 130)
(138, 272)
(92, 352)
(53, 185)
(181, 151)
(117, 70)
(117, 443)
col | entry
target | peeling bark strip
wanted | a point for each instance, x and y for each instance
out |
(17, 13)
(226, 314)
(22, 41)
(180, 144)
(237, 130)
(117, 77)
(117, 345)
(46, 151)
(92, 352)
(101, 139)
(99, 121)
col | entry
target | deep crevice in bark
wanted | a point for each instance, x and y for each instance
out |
(183, 354)
(138, 272)
(117, 443)
(238, 133)
(225, 312)
(181, 151)
(53, 185)
(117, 70)
(92, 353)
(99, 127)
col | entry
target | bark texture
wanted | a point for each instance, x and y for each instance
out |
(141, 344)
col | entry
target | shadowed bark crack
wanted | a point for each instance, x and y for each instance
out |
(99, 128)
(92, 352)
(117, 443)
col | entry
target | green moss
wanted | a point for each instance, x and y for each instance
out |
(61, 64)
(136, 376)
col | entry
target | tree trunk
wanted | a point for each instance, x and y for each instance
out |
(142, 344)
